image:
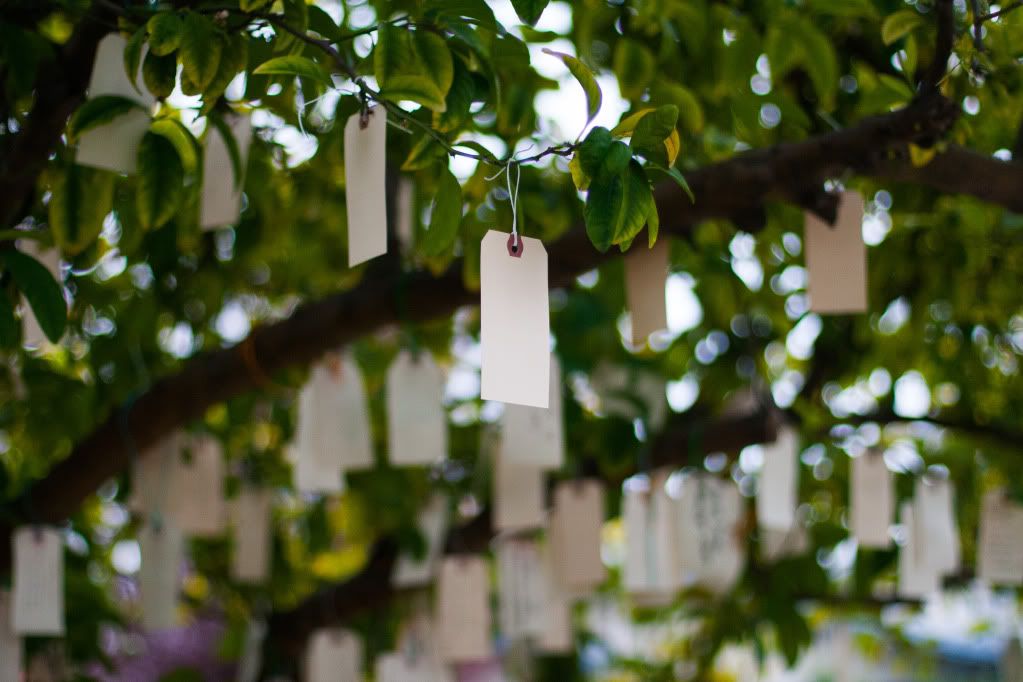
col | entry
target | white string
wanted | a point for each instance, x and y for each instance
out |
(513, 197)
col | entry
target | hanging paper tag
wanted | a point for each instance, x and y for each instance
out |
(518, 498)
(195, 503)
(250, 562)
(433, 524)
(631, 394)
(646, 272)
(871, 500)
(463, 609)
(162, 548)
(522, 596)
(334, 654)
(917, 579)
(150, 473)
(777, 494)
(999, 549)
(576, 523)
(37, 583)
(836, 259)
(32, 334)
(317, 465)
(114, 146)
(10, 643)
(652, 572)
(534, 435)
(557, 636)
(936, 531)
(779, 544)
(514, 321)
(351, 415)
(417, 645)
(251, 661)
(405, 213)
(417, 424)
(221, 199)
(365, 185)
(710, 513)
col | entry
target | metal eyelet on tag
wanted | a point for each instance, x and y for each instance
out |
(515, 250)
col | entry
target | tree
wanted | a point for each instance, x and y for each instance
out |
(740, 117)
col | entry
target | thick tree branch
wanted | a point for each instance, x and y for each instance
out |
(934, 73)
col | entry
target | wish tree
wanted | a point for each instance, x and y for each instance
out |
(226, 226)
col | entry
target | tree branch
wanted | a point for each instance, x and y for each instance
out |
(932, 76)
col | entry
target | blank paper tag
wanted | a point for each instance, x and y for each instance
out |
(514, 321)
(433, 524)
(405, 213)
(557, 636)
(778, 493)
(334, 654)
(872, 500)
(999, 545)
(534, 435)
(917, 579)
(417, 424)
(522, 594)
(10, 643)
(710, 513)
(779, 544)
(250, 662)
(37, 583)
(646, 272)
(351, 414)
(652, 570)
(576, 523)
(151, 472)
(397, 667)
(631, 393)
(114, 145)
(463, 609)
(221, 199)
(836, 259)
(162, 548)
(518, 495)
(365, 185)
(936, 531)
(32, 333)
(195, 502)
(250, 562)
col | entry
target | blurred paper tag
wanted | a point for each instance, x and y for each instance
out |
(576, 523)
(522, 593)
(334, 654)
(37, 583)
(836, 259)
(251, 660)
(10, 642)
(150, 474)
(365, 185)
(317, 466)
(557, 636)
(518, 495)
(195, 503)
(396, 667)
(872, 500)
(514, 321)
(652, 570)
(710, 514)
(417, 424)
(250, 561)
(433, 525)
(405, 213)
(534, 435)
(777, 493)
(936, 531)
(351, 414)
(162, 548)
(1000, 543)
(646, 273)
(463, 609)
(917, 579)
(114, 146)
(221, 200)
(779, 544)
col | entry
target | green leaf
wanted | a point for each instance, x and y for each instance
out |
(44, 295)
(690, 111)
(160, 74)
(424, 154)
(133, 57)
(635, 66)
(458, 101)
(479, 149)
(529, 11)
(80, 200)
(160, 180)
(253, 5)
(165, 31)
(445, 218)
(233, 151)
(474, 11)
(603, 204)
(651, 133)
(98, 111)
(434, 58)
(293, 65)
(616, 159)
(416, 89)
(579, 177)
(234, 57)
(680, 180)
(181, 137)
(586, 79)
(10, 331)
(416, 67)
(637, 204)
(200, 49)
(593, 149)
(901, 23)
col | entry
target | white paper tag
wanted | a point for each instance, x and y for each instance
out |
(575, 527)
(397, 667)
(417, 645)
(195, 502)
(777, 494)
(631, 394)
(221, 198)
(351, 414)
(710, 513)
(433, 524)
(365, 185)
(10, 643)
(463, 609)
(114, 146)
(405, 213)
(557, 636)
(836, 259)
(417, 424)
(518, 498)
(652, 572)
(534, 435)
(150, 473)
(646, 272)
(514, 321)
(871, 500)
(37, 583)
(917, 579)
(999, 546)
(162, 548)
(250, 561)
(334, 654)
(251, 660)
(32, 333)
(779, 544)
(522, 593)
(936, 531)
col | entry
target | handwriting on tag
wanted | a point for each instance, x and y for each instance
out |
(10, 642)
(518, 498)
(575, 527)
(777, 494)
(195, 502)
(417, 424)
(872, 500)
(936, 531)
(162, 548)
(221, 199)
(534, 435)
(334, 654)
(646, 272)
(917, 578)
(999, 550)
(463, 609)
(836, 259)
(433, 524)
(651, 574)
(710, 517)
(37, 583)
(522, 593)
(365, 185)
(253, 537)
(514, 321)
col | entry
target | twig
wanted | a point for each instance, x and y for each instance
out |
(935, 72)
(1002, 11)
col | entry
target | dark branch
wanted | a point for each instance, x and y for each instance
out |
(934, 73)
